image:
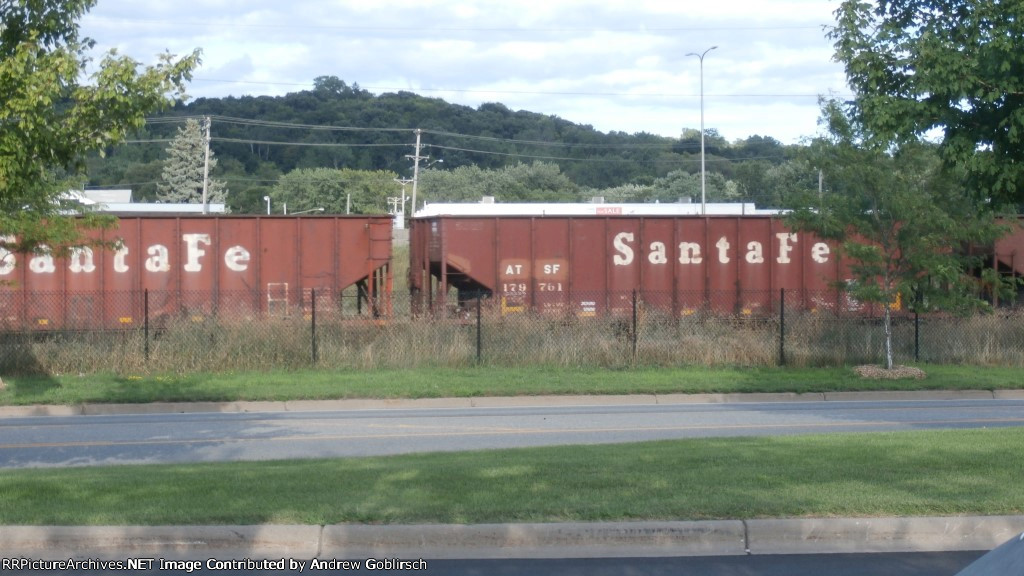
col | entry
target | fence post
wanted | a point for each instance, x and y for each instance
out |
(145, 324)
(917, 328)
(782, 327)
(312, 296)
(479, 331)
(635, 326)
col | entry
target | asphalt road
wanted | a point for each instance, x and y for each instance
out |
(194, 437)
(910, 564)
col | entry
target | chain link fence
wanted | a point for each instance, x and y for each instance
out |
(183, 332)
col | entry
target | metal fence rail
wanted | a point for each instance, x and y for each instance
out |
(195, 331)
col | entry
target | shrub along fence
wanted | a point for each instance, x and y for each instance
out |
(340, 331)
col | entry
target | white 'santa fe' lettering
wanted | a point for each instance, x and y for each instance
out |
(689, 253)
(83, 259)
(755, 253)
(657, 254)
(43, 263)
(159, 259)
(6, 257)
(625, 252)
(237, 259)
(193, 252)
(820, 252)
(723, 250)
(784, 248)
(692, 252)
(119, 264)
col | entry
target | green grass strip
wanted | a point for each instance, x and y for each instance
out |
(467, 382)
(876, 474)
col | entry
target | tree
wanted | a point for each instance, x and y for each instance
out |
(49, 121)
(185, 169)
(536, 182)
(949, 66)
(898, 221)
(336, 191)
(679, 184)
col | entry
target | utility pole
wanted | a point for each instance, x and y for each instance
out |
(416, 168)
(206, 168)
(400, 208)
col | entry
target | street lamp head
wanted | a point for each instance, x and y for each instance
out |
(307, 211)
(702, 54)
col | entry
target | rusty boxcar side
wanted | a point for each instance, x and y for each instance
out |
(591, 264)
(198, 265)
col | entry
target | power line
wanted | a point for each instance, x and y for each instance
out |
(292, 125)
(310, 144)
(667, 145)
(383, 89)
(423, 30)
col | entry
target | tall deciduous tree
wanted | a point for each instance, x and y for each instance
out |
(918, 66)
(536, 182)
(185, 169)
(336, 191)
(49, 119)
(899, 221)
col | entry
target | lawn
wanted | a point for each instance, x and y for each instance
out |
(484, 381)
(919, 473)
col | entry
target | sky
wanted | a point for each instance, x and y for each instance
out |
(615, 65)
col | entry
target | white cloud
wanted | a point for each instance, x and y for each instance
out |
(618, 65)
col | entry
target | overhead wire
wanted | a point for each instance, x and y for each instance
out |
(667, 145)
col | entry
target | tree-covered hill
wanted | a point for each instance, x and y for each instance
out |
(340, 126)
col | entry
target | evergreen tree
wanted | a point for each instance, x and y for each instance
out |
(185, 167)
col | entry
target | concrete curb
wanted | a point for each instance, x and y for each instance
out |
(566, 540)
(861, 535)
(120, 542)
(486, 541)
(493, 402)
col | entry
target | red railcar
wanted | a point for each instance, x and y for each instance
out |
(199, 266)
(592, 264)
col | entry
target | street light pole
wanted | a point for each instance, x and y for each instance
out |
(703, 182)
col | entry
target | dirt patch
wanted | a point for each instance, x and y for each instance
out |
(897, 372)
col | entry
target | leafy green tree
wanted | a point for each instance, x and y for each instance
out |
(788, 182)
(689, 142)
(679, 185)
(185, 169)
(627, 193)
(897, 220)
(949, 66)
(50, 120)
(336, 191)
(536, 182)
